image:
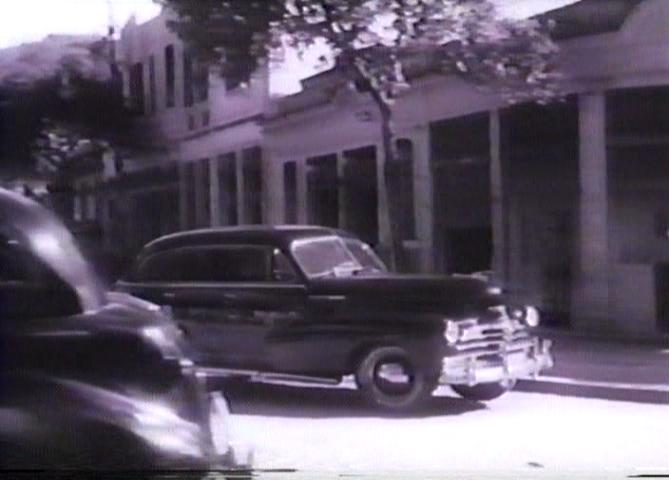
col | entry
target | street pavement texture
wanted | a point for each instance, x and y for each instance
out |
(601, 361)
(522, 434)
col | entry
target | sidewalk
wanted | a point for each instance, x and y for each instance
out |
(606, 368)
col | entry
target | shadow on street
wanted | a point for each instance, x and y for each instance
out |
(286, 401)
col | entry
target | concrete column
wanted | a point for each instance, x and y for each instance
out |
(591, 285)
(273, 190)
(146, 87)
(423, 195)
(341, 195)
(497, 206)
(241, 200)
(301, 167)
(214, 194)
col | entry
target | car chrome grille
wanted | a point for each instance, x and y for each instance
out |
(493, 333)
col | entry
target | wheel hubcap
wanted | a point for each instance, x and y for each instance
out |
(393, 378)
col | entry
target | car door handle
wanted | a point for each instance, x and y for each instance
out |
(230, 296)
(169, 295)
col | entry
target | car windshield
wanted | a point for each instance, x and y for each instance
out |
(334, 256)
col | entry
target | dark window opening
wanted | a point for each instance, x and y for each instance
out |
(227, 180)
(188, 79)
(203, 191)
(322, 191)
(661, 224)
(637, 113)
(152, 84)
(360, 194)
(461, 168)
(137, 88)
(468, 250)
(169, 76)
(201, 81)
(252, 171)
(662, 296)
(290, 191)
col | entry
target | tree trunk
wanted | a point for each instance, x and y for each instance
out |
(393, 185)
(391, 178)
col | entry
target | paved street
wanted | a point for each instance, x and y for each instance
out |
(524, 432)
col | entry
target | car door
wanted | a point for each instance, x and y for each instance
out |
(242, 297)
(226, 299)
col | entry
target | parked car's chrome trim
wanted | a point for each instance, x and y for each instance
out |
(265, 377)
(494, 348)
(473, 368)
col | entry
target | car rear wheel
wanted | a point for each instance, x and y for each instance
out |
(388, 378)
(484, 391)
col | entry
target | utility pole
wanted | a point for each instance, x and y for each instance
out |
(110, 20)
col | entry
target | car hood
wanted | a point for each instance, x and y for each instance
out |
(426, 290)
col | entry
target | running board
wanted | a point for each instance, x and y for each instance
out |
(266, 377)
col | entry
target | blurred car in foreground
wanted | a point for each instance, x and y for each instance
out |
(313, 304)
(91, 379)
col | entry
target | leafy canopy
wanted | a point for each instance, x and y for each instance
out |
(373, 40)
(59, 99)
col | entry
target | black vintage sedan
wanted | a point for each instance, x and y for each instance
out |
(91, 379)
(317, 304)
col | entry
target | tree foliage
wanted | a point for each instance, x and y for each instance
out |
(373, 38)
(372, 42)
(57, 103)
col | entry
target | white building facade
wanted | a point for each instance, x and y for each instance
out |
(565, 203)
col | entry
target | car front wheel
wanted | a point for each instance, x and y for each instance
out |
(388, 378)
(483, 391)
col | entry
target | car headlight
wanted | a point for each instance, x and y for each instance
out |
(532, 317)
(515, 312)
(528, 315)
(452, 331)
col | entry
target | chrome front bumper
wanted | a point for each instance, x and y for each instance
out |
(524, 359)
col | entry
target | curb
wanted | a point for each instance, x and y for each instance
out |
(650, 387)
(611, 391)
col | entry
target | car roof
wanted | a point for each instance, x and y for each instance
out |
(275, 235)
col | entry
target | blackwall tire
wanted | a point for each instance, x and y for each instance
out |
(379, 393)
(483, 391)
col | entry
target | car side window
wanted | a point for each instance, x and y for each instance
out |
(236, 264)
(282, 269)
(17, 264)
(28, 288)
(204, 264)
(162, 267)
